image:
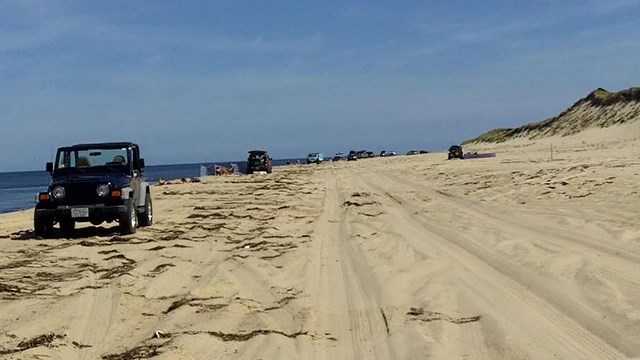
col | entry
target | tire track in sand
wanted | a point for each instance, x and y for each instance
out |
(511, 296)
(347, 299)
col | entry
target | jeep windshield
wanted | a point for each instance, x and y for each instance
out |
(83, 160)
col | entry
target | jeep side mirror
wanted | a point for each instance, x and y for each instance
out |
(140, 164)
(49, 167)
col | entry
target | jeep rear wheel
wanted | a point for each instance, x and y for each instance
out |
(146, 218)
(129, 220)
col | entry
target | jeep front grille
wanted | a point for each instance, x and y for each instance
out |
(81, 195)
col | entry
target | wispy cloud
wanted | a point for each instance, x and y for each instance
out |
(604, 7)
(40, 26)
(30, 30)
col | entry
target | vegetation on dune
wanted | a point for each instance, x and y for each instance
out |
(602, 97)
(495, 135)
(600, 108)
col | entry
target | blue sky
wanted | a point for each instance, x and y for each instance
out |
(200, 81)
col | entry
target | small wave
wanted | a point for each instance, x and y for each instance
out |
(24, 189)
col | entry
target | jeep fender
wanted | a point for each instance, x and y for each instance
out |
(126, 193)
(143, 191)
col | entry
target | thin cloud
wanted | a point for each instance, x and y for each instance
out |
(43, 26)
(605, 7)
(494, 33)
(33, 35)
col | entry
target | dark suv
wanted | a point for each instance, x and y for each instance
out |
(95, 183)
(455, 152)
(258, 160)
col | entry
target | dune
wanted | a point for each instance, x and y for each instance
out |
(517, 256)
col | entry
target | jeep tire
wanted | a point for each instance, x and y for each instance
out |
(146, 218)
(43, 227)
(128, 221)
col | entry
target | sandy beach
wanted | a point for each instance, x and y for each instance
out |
(409, 257)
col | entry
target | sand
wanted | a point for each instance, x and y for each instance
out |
(410, 257)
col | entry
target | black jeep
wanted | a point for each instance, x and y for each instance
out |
(455, 152)
(95, 183)
(258, 160)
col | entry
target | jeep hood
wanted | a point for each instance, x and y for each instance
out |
(84, 179)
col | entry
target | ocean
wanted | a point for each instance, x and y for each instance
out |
(18, 189)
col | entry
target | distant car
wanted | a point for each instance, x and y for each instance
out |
(383, 153)
(258, 160)
(413, 152)
(362, 154)
(455, 152)
(316, 158)
(338, 156)
(353, 156)
(391, 153)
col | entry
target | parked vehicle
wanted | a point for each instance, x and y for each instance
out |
(362, 154)
(413, 152)
(338, 156)
(95, 183)
(259, 160)
(316, 158)
(455, 152)
(353, 156)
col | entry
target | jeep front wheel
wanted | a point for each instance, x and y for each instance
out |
(128, 221)
(43, 228)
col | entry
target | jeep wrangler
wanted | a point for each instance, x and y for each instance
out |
(259, 160)
(95, 183)
(455, 152)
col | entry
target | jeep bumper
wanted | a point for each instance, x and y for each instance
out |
(81, 213)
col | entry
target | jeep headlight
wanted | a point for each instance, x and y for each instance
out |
(102, 190)
(58, 192)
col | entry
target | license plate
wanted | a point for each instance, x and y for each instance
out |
(79, 212)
